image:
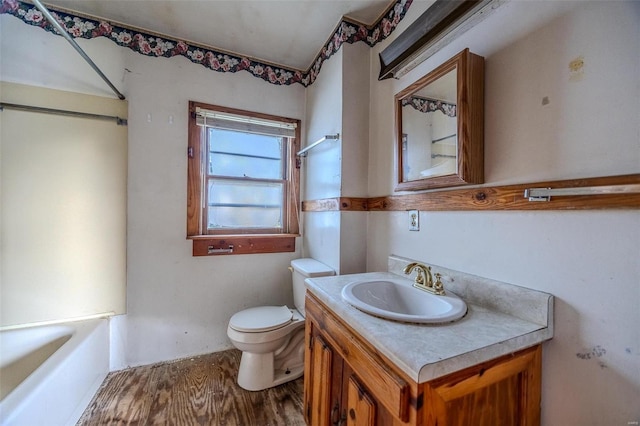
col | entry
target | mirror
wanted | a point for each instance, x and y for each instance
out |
(439, 126)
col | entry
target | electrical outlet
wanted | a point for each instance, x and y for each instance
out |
(414, 220)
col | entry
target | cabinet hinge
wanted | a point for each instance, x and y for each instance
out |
(190, 152)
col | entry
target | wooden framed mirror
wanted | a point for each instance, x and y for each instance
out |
(440, 126)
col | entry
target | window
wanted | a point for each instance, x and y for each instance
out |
(242, 181)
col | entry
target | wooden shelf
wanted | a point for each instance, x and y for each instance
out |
(243, 244)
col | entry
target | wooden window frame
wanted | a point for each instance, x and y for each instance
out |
(240, 241)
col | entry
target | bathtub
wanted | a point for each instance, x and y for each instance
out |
(50, 373)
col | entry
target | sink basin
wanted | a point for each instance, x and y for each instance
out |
(397, 299)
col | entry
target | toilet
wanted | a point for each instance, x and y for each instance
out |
(271, 338)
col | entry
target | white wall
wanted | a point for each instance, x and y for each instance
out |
(338, 102)
(355, 119)
(589, 260)
(178, 305)
(321, 172)
(355, 154)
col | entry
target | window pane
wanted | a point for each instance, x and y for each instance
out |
(237, 154)
(244, 204)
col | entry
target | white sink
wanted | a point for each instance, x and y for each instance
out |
(397, 299)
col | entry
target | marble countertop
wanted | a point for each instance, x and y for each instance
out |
(425, 352)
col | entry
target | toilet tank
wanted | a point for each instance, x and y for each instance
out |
(302, 269)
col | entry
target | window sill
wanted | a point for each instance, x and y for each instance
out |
(216, 245)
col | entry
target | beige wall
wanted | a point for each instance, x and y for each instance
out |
(64, 183)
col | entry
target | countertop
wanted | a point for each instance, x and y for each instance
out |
(510, 319)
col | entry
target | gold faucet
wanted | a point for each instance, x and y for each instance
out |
(422, 283)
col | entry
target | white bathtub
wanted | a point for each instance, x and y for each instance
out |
(50, 373)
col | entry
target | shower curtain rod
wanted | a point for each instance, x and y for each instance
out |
(75, 45)
(119, 121)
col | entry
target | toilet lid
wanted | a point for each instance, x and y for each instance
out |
(262, 318)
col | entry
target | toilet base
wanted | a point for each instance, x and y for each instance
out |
(262, 371)
(257, 372)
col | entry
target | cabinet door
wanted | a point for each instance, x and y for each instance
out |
(361, 408)
(323, 381)
(503, 392)
(318, 391)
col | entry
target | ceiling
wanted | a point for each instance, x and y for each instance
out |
(283, 32)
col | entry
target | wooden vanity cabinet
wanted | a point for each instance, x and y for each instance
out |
(348, 382)
(337, 392)
(344, 377)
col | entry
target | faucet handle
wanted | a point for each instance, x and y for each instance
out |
(419, 276)
(437, 286)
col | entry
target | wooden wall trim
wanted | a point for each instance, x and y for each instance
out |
(509, 197)
(243, 244)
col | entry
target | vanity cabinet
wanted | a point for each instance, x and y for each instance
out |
(349, 382)
(332, 397)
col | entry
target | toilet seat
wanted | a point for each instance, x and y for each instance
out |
(261, 319)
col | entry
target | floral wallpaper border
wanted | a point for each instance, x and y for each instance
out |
(152, 45)
(430, 105)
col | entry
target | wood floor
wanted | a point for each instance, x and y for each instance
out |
(195, 391)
